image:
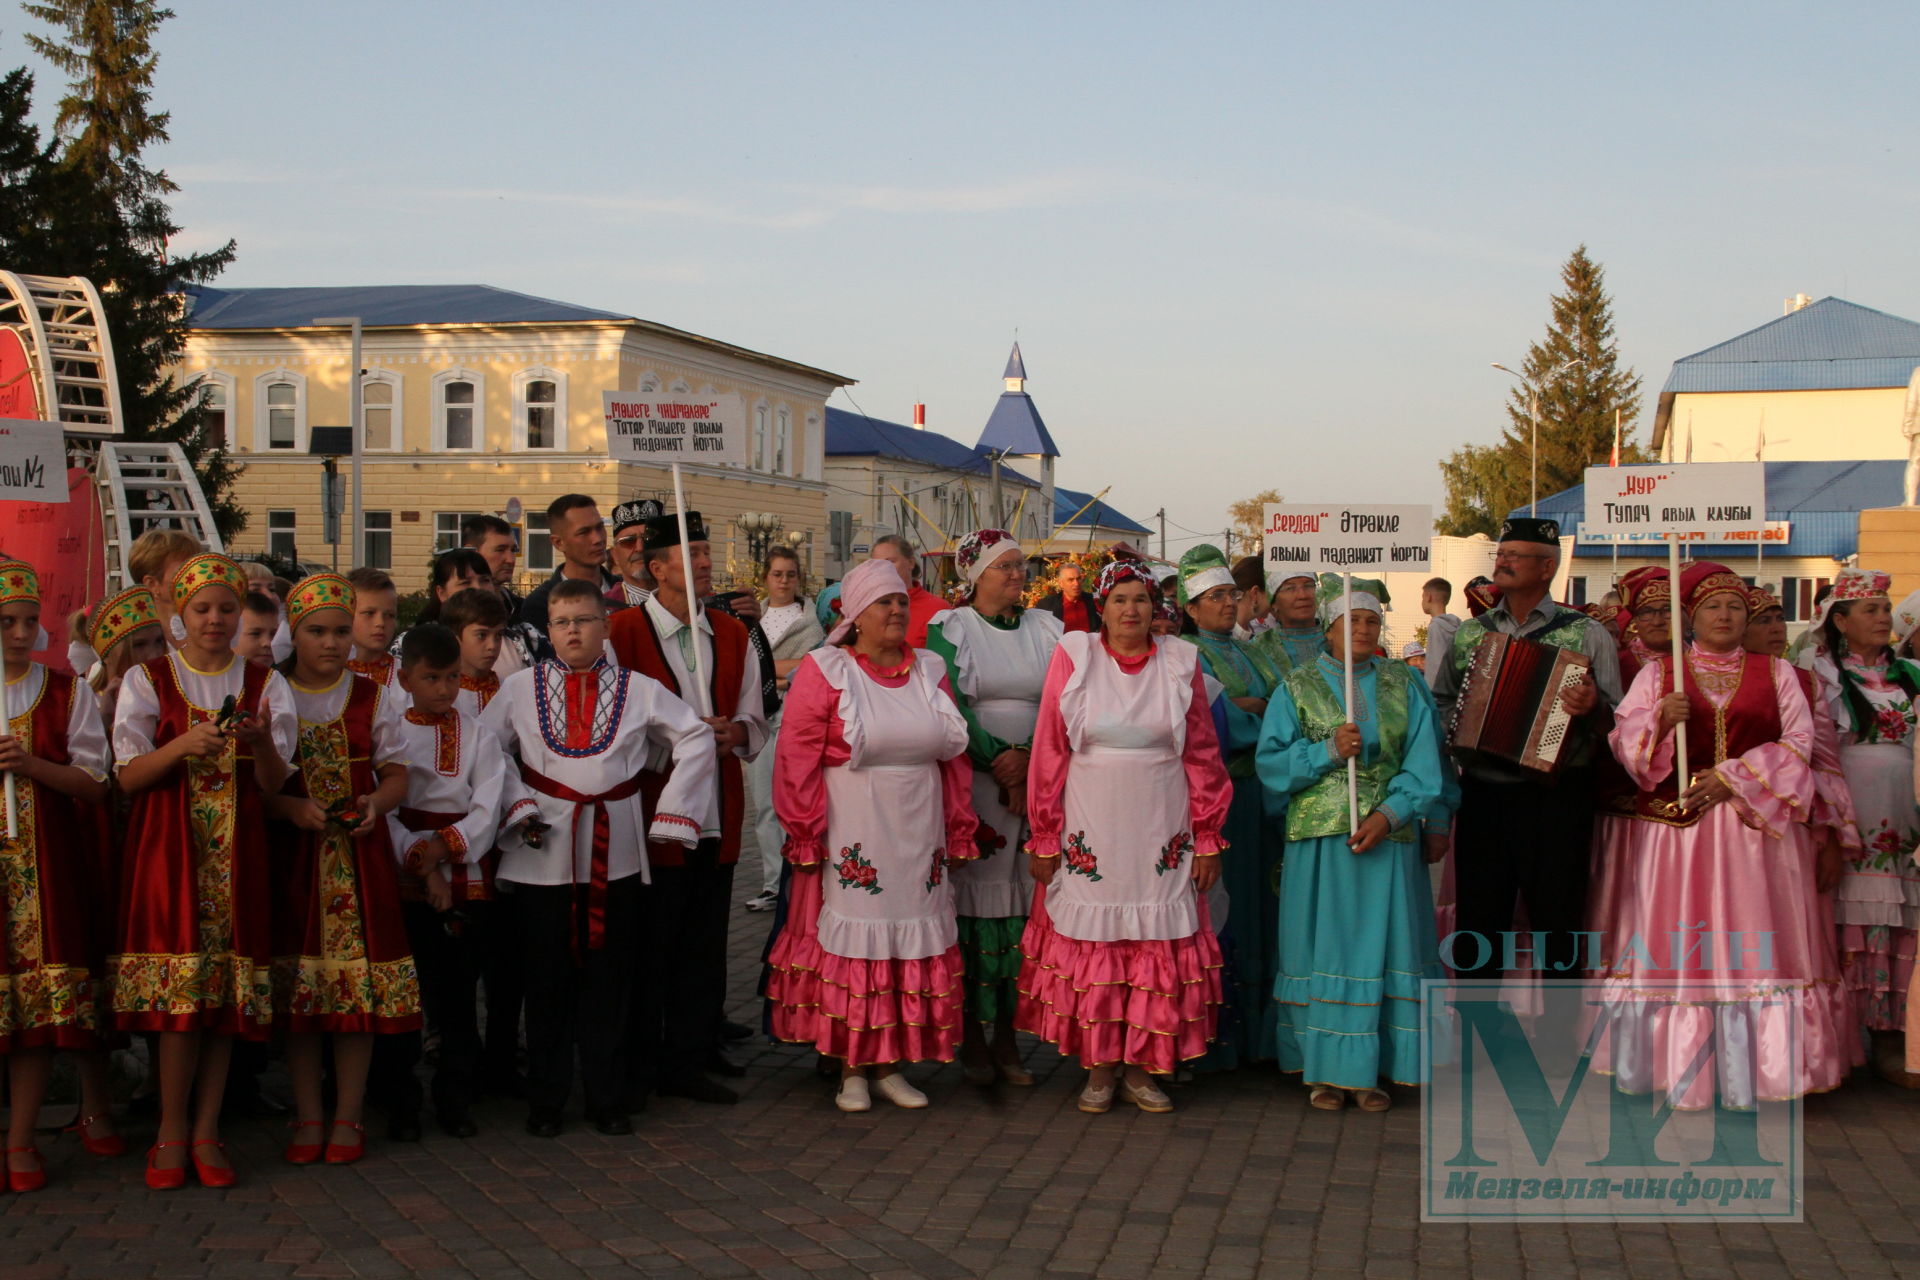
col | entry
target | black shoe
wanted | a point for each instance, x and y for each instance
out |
(611, 1124)
(542, 1123)
(718, 1064)
(456, 1122)
(734, 1030)
(698, 1088)
(403, 1126)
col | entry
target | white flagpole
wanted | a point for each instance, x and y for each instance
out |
(1352, 762)
(693, 596)
(1679, 660)
(1616, 462)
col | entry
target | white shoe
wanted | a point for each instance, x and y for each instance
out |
(895, 1089)
(853, 1095)
(762, 902)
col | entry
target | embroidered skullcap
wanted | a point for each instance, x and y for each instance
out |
(1368, 593)
(119, 617)
(1704, 579)
(1906, 618)
(1119, 571)
(18, 582)
(1546, 533)
(664, 530)
(1202, 569)
(870, 580)
(1481, 595)
(321, 591)
(1861, 584)
(208, 569)
(1645, 588)
(981, 548)
(638, 511)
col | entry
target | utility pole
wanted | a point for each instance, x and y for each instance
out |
(999, 507)
(1226, 542)
(1162, 513)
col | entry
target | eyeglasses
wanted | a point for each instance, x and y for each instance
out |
(1220, 595)
(628, 541)
(573, 624)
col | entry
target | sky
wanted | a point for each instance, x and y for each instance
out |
(1242, 246)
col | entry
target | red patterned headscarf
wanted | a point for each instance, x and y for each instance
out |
(1120, 571)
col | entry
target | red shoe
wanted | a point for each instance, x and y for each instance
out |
(33, 1179)
(304, 1152)
(164, 1179)
(210, 1175)
(111, 1145)
(339, 1152)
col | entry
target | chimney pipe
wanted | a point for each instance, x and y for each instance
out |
(920, 417)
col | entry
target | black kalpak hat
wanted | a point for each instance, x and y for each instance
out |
(1527, 529)
(664, 530)
(638, 511)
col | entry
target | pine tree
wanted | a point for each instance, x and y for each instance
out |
(1577, 406)
(102, 213)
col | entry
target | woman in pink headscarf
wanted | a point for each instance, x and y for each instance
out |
(872, 784)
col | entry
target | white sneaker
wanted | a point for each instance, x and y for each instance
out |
(895, 1089)
(762, 902)
(853, 1095)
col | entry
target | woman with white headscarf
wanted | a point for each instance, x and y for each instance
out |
(872, 785)
(996, 654)
(1356, 931)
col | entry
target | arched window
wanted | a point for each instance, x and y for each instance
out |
(380, 411)
(539, 410)
(757, 454)
(783, 442)
(280, 412)
(459, 411)
(216, 407)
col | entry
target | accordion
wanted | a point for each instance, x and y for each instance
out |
(1509, 705)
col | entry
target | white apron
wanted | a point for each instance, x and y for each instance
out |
(1126, 866)
(885, 894)
(1001, 672)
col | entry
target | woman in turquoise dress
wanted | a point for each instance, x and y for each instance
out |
(1356, 932)
(1247, 919)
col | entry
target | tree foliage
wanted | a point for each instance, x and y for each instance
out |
(87, 205)
(1249, 521)
(1581, 384)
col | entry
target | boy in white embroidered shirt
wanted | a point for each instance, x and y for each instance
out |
(583, 730)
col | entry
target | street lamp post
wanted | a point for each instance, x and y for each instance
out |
(359, 551)
(1533, 413)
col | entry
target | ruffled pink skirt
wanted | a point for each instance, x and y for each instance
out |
(865, 1012)
(1148, 1003)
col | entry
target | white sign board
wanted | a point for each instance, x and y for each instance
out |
(1361, 538)
(33, 461)
(1698, 501)
(657, 429)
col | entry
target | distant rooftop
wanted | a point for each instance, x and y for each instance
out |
(1067, 513)
(1829, 345)
(857, 435)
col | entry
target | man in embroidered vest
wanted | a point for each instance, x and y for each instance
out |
(681, 993)
(1515, 834)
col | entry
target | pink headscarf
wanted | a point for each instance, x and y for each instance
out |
(868, 582)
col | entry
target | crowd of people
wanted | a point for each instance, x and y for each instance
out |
(1142, 819)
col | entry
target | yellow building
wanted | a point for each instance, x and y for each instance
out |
(482, 400)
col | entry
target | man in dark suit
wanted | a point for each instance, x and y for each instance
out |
(1071, 605)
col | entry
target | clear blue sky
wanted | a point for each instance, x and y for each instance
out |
(1244, 245)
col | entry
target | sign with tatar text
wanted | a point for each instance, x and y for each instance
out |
(1695, 501)
(662, 430)
(1362, 538)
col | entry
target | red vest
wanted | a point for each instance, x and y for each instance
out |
(1751, 719)
(637, 645)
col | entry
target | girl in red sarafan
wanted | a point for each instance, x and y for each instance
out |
(55, 747)
(342, 964)
(200, 736)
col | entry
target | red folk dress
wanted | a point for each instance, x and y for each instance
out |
(50, 976)
(342, 961)
(194, 914)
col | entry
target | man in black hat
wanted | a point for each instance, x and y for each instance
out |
(1516, 834)
(680, 997)
(630, 553)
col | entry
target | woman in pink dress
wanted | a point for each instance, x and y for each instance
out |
(1125, 799)
(873, 787)
(1744, 1005)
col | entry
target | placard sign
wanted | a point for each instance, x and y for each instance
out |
(1717, 501)
(33, 461)
(1361, 538)
(661, 430)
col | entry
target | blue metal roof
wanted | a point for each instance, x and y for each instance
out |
(1831, 344)
(1823, 501)
(1068, 501)
(1015, 427)
(376, 305)
(857, 435)
(1016, 367)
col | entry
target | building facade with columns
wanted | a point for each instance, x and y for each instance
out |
(483, 400)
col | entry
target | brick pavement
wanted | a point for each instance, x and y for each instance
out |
(1242, 1180)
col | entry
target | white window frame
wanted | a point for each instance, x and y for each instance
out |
(521, 381)
(229, 385)
(783, 441)
(815, 452)
(536, 544)
(367, 532)
(679, 388)
(292, 530)
(760, 431)
(443, 529)
(649, 382)
(397, 436)
(439, 433)
(262, 432)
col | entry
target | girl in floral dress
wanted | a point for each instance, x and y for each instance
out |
(1870, 695)
(342, 965)
(200, 737)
